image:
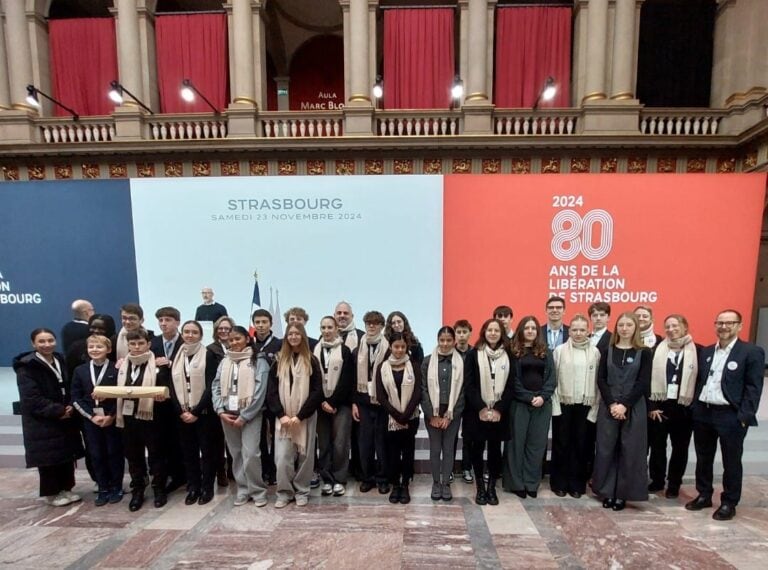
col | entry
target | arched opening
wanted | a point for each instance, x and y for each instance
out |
(317, 75)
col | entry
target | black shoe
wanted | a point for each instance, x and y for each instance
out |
(654, 487)
(608, 503)
(481, 498)
(174, 484)
(221, 478)
(384, 488)
(366, 486)
(725, 513)
(521, 494)
(559, 493)
(161, 499)
(102, 498)
(672, 492)
(192, 497)
(137, 500)
(394, 495)
(268, 478)
(205, 497)
(619, 504)
(405, 496)
(698, 503)
(575, 494)
(532, 494)
(493, 498)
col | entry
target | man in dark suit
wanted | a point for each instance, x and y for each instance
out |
(77, 328)
(165, 347)
(600, 315)
(728, 389)
(554, 331)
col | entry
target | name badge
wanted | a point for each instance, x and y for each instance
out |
(98, 411)
(630, 359)
(672, 391)
(232, 403)
(128, 406)
(409, 379)
(733, 366)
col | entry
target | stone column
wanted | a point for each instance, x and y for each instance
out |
(597, 29)
(128, 49)
(260, 55)
(283, 97)
(359, 64)
(244, 93)
(477, 52)
(624, 51)
(5, 89)
(18, 53)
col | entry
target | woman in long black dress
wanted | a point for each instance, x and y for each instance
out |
(624, 379)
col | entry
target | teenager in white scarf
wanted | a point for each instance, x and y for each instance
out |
(489, 375)
(334, 419)
(294, 395)
(238, 394)
(442, 400)
(398, 386)
(192, 373)
(531, 410)
(371, 352)
(644, 316)
(673, 380)
(576, 364)
(398, 322)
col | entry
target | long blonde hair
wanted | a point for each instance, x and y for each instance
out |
(285, 356)
(636, 341)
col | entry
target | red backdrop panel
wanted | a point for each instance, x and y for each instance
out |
(681, 243)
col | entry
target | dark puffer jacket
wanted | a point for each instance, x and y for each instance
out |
(48, 439)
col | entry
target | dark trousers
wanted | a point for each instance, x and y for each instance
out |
(371, 439)
(678, 427)
(570, 450)
(354, 460)
(202, 454)
(494, 458)
(139, 435)
(56, 478)
(401, 453)
(711, 423)
(267, 446)
(170, 441)
(466, 450)
(105, 449)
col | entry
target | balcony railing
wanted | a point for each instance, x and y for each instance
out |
(418, 123)
(681, 122)
(535, 123)
(64, 130)
(187, 127)
(302, 124)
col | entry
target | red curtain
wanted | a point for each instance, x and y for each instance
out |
(194, 47)
(317, 75)
(418, 58)
(532, 43)
(83, 61)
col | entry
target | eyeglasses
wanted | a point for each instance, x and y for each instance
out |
(554, 308)
(224, 329)
(728, 324)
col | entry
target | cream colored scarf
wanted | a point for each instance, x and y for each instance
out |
(367, 385)
(399, 401)
(564, 366)
(190, 361)
(433, 382)
(491, 389)
(351, 341)
(246, 382)
(292, 398)
(648, 337)
(689, 372)
(334, 364)
(121, 344)
(146, 405)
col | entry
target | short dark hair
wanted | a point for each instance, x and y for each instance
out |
(503, 311)
(171, 312)
(261, 313)
(139, 334)
(555, 298)
(374, 317)
(40, 330)
(599, 306)
(133, 309)
(737, 313)
(298, 311)
(462, 324)
(198, 326)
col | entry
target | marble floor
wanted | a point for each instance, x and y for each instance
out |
(364, 529)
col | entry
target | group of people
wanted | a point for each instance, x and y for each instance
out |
(301, 412)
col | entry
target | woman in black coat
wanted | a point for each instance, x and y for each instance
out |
(51, 438)
(489, 377)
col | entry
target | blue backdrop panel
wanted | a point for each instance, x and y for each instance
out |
(60, 241)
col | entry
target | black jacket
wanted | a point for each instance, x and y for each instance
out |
(474, 428)
(314, 398)
(48, 439)
(82, 388)
(342, 395)
(205, 405)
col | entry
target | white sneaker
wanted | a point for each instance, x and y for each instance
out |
(73, 497)
(327, 489)
(339, 490)
(260, 502)
(60, 500)
(302, 500)
(282, 502)
(240, 500)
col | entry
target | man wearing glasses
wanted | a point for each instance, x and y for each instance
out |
(554, 330)
(210, 310)
(728, 389)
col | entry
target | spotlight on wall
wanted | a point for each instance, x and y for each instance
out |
(547, 93)
(188, 91)
(34, 100)
(378, 88)
(116, 91)
(457, 89)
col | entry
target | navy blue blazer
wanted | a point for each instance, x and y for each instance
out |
(157, 346)
(742, 382)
